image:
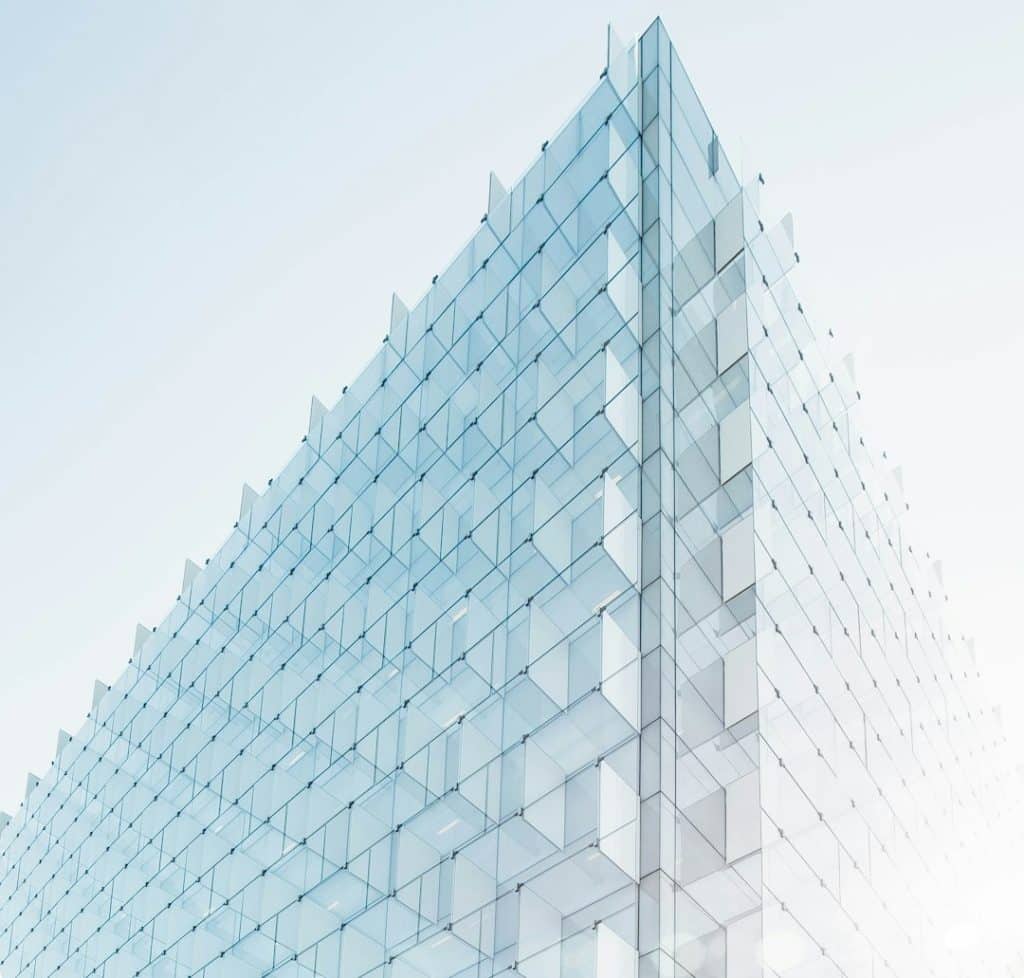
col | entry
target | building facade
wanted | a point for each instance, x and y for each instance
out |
(578, 640)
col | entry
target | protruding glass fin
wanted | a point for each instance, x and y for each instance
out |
(316, 411)
(398, 332)
(496, 192)
(620, 62)
(99, 690)
(249, 496)
(850, 362)
(614, 48)
(187, 577)
(142, 633)
(399, 310)
(787, 226)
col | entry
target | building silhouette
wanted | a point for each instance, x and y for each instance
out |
(580, 639)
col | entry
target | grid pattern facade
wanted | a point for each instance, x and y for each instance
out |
(578, 640)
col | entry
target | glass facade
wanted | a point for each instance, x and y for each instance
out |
(578, 639)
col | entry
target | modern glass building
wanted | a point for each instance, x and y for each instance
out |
(580, 639)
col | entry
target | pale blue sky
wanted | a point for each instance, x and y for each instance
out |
(205, 207)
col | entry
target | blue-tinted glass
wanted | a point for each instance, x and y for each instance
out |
(579, 638)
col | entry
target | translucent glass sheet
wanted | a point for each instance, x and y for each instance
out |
(578, 639)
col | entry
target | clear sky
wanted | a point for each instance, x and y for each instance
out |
(205, 207)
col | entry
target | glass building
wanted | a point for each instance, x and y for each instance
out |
(578, 640)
